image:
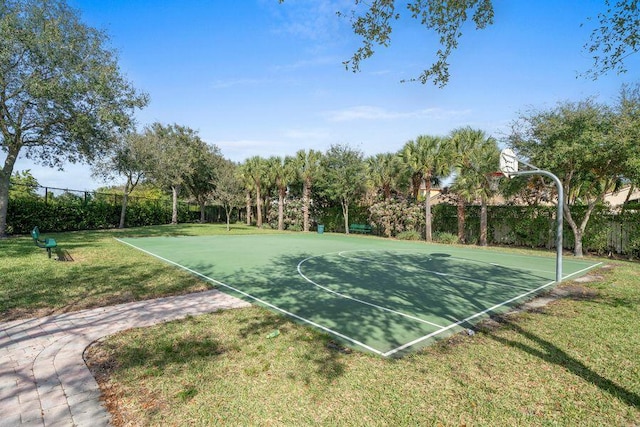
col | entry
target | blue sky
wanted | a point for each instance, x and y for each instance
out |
(256, 77)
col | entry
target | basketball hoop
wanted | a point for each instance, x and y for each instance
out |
(509, 168)
(508, 163)
(493, 179)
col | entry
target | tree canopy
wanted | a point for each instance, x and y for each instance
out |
(343, 177)
(612, 41)
(579, 143)
(614, 38)
(61, 92)
(177, 157)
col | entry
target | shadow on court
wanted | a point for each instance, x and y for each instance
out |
(381, 296)
(379, 302)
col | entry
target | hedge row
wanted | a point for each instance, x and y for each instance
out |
(530, 226)
(24, 214)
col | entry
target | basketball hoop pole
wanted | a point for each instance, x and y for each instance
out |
(535, 171)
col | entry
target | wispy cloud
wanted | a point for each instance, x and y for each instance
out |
(366, 112)
(228, 83)
(315, 21)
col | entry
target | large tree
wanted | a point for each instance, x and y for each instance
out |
(229, 189)
(577, 142)
(283, 173)
(475, 157)
(308, 163)
(61, 92)
(256, 171)
(128, 158)
(176, 150)
(343, 177)
(202, 178)
(431, 157)
(627, 130)
(248, 187)
(385, 173)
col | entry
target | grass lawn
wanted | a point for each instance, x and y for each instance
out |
(572, 362)
(104, 272)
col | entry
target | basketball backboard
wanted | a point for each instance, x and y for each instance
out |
(508, 162)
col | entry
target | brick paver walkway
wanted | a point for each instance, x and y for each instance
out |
(43, 378)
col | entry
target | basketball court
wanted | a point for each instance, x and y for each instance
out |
(378, 295)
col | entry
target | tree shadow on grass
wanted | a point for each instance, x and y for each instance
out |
(550, 353)
(325, 355)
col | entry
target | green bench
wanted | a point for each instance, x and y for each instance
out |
(360, 228)
(47, 243)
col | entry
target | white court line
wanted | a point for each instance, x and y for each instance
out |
(354, 341)
(324, 328)
(379, 307)
(458, 323)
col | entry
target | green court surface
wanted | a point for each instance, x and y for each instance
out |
(384, 296)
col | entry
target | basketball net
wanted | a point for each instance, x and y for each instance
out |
(494, 180)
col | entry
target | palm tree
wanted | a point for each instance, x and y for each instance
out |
(282, 172)
(248, 186)
(476, 157)
(430, 158)
(308, 165)
(411, 158)
(463, 193)
(384, 172)
(255, 169)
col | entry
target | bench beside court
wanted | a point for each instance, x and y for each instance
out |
(360, 228)
(47, 243)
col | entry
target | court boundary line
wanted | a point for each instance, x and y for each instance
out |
(302, 319)
(471, 260)
(483, 312)
(358, 300)
(352, 340)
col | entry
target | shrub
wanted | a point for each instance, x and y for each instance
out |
(444, 237)
(408, 235)
(394, 217)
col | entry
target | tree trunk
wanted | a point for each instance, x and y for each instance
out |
(5, 182)
(416, 181)
(125, 201)
(427, 209)
(577, 250)
(227, 211)
(345, 214)
(306, 192)
(4, 202)
(281, 194)
(258, 208)
(578, 231)
(248, 208)
(626, 199)
(174, 212)
(461, 220)
(202, 212)
(483, 222)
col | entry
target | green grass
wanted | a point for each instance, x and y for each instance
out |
(573, 362)
(103, 271)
